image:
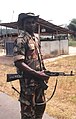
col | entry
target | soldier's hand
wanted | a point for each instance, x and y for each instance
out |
(43, 76)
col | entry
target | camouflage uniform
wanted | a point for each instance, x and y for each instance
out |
(31, 91)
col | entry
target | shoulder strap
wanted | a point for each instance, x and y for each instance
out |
(42, 67)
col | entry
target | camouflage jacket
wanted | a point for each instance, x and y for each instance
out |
(28, 49)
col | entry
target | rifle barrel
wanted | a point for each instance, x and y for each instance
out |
(49, 73)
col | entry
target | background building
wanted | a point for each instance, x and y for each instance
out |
(54, 39)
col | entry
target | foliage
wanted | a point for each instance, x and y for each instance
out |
(72, 27)
(72, 43)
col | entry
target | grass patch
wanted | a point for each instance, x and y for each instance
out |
(72, 43)
(63, 104)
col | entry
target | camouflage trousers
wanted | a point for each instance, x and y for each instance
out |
(28, 99)
(29, 112)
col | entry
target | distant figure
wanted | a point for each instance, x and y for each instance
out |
(27, 59)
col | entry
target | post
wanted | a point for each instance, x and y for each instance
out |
(39, 31)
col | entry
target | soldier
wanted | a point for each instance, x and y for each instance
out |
(27, 60)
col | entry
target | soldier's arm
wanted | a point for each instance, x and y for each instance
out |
(19, 62)
(30, 72)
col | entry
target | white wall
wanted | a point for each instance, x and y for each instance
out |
(45, 47)
(54, 48)
(64, 49)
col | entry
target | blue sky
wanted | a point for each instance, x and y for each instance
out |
(58, 11)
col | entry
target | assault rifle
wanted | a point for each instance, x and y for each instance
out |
(12, 77)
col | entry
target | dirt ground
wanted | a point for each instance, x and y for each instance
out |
(63, 104)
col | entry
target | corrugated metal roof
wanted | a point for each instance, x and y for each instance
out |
(50, 28)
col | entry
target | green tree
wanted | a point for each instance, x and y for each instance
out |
(72, 27)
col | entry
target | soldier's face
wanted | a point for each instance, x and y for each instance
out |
(29, 24)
